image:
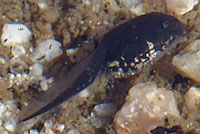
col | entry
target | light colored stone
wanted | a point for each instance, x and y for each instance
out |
(2, 109)
(135, 6)
(105, 109)
(145, 109)
(14, 34)
(192, 102)
(10, 125)
(74, 131)
(187, 61)
(180, 7)
(47, 51)
(97, 122)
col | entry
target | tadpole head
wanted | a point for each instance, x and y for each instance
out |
(170, 30)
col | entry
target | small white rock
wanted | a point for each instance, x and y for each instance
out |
(145, 108)
(48, 124)
(18, 50)
(97, 122)
(105, 109)
(2, 108)
(36, 70)
(84, 93)
(187, 61)
(60, 127)
(192, 102)
(2, 60)
(42, 5)
(11, 105)
(180, 7)
(74, 131)
(34, 131)
(10, 125)
(47, 51)
(71, 51)
(1, 122)
(14, 34)
(135, 6)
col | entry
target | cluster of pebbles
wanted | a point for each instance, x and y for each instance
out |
(36, 33)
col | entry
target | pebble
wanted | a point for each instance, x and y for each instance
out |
(2, 60)
(10, 125)
(105, 110)
(180, 7)
(14, 34)
(97, 122)
(18, 50)
(192, 102)
(60, 128)
(145, 108)
(135, 6)
(34, 131)
(48, 124)
(2, 108)
(47, 51)
(42, 5)
(74, 131)
(36, 70)
(187, 61)
(71, 51)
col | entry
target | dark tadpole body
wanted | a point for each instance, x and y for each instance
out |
(126, 50)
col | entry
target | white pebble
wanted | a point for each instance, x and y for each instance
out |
(180, 7)
(47, 50)
(11, 105)
(3, 132)
(34, 131)
(1, 122)
(14, 34)
(187, 62)
(10, 125)
(145, 108)
(71, 51)
(105, 109)
(97, 122)
(36, 70)
(44, 85)
(48, 124)
(2, 108)
(42, 5)
(2, 60)
(18, 50)
(192, 102)
(74, 131)
(135, 6)
(60, 127)
(85, 93)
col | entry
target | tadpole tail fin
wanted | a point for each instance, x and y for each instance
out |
(78, 78)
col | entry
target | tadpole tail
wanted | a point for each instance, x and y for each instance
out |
(78, 78)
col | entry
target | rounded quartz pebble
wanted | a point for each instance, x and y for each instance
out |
(180, 7)
(10, 124)
(135, 6)
(105, 109)
(13, 34)
(73, 131)
(145, 108)
(47, 50)
(192, 102)
(2, 109)
(187, 61)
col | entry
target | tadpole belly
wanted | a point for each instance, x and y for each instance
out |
(126, 49)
